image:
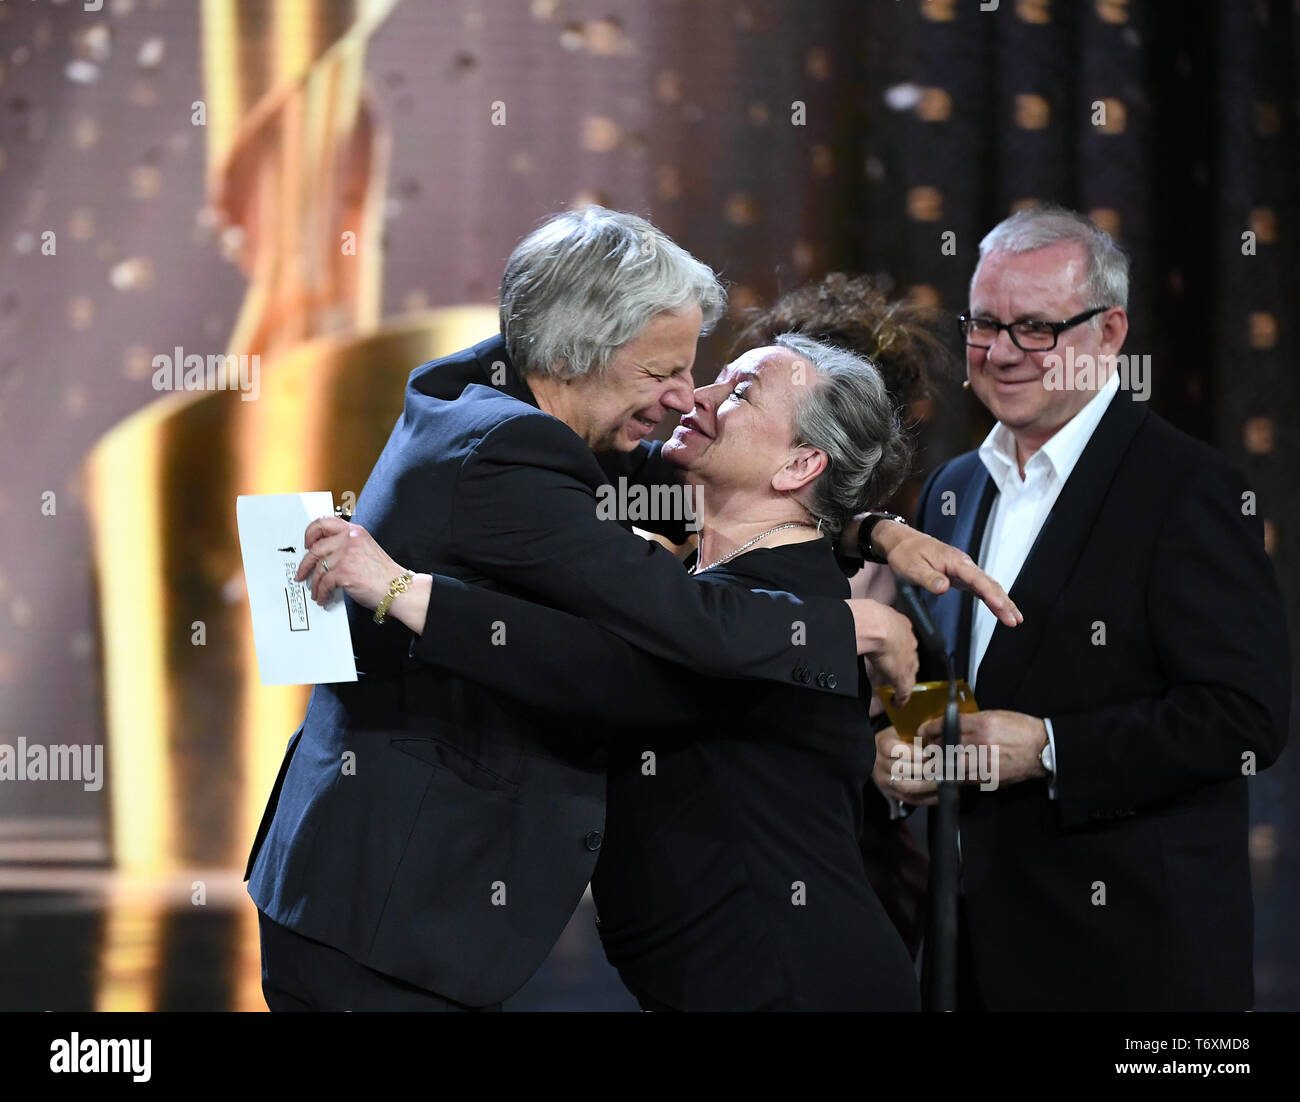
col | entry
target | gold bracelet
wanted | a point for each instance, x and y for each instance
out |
(398, 585)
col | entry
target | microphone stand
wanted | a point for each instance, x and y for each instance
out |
(939, 976)
(941, 988)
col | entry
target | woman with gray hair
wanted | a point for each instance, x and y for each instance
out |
(729, 876)
(899, 336)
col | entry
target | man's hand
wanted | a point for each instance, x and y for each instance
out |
(926, 561)
(1019, 740)
(894, 766)
(885, 638)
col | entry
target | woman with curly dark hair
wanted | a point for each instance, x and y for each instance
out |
(897, 335)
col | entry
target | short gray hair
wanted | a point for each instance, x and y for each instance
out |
(586, 282)
(1039, 226)
(850, 416)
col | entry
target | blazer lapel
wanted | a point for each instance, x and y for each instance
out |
(952, 610)
(1051, 559)
(966, 606)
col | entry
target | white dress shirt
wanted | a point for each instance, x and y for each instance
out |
(1022, 505)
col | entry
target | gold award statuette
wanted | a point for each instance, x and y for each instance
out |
(928, 700)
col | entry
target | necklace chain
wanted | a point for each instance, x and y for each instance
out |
(746, 546)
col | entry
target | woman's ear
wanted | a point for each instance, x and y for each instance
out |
(801, 470)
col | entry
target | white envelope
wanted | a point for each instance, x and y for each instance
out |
(298, 642)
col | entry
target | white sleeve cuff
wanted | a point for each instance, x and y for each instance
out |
(1051, 739)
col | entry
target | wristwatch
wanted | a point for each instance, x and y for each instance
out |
(865, 529)
(1047, 759)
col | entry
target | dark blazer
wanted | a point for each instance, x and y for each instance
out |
(1150, 544)
(731, 876)
(427, 827)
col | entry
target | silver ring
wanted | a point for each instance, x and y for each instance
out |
(325, 565)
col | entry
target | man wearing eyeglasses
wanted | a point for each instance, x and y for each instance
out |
(1109, 868)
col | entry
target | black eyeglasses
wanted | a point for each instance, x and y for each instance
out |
(1028, 336)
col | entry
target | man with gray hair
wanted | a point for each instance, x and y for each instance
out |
(427, 840)
(1108, 870)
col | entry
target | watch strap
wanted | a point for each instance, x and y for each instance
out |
(865, 530)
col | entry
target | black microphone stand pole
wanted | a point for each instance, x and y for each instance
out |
(939, 974)
(941, 938)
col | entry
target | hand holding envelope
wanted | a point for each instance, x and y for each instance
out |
(345, 556)
(298, 641)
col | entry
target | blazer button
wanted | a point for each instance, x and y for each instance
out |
(831, 681)
(821, 680)
(593, 840)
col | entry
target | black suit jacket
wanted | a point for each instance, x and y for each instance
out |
(427, 827)
(753, 788)
(1154, 640)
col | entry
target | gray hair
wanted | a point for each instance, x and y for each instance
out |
(849, 416)
(1040, 226)
(586, 282)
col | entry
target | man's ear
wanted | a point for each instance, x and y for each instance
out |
(1114, 329)
(802, 469)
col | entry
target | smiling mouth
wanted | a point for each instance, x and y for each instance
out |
(689, 425)
(645, 421)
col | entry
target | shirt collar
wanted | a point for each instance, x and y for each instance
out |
(1059, 454)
